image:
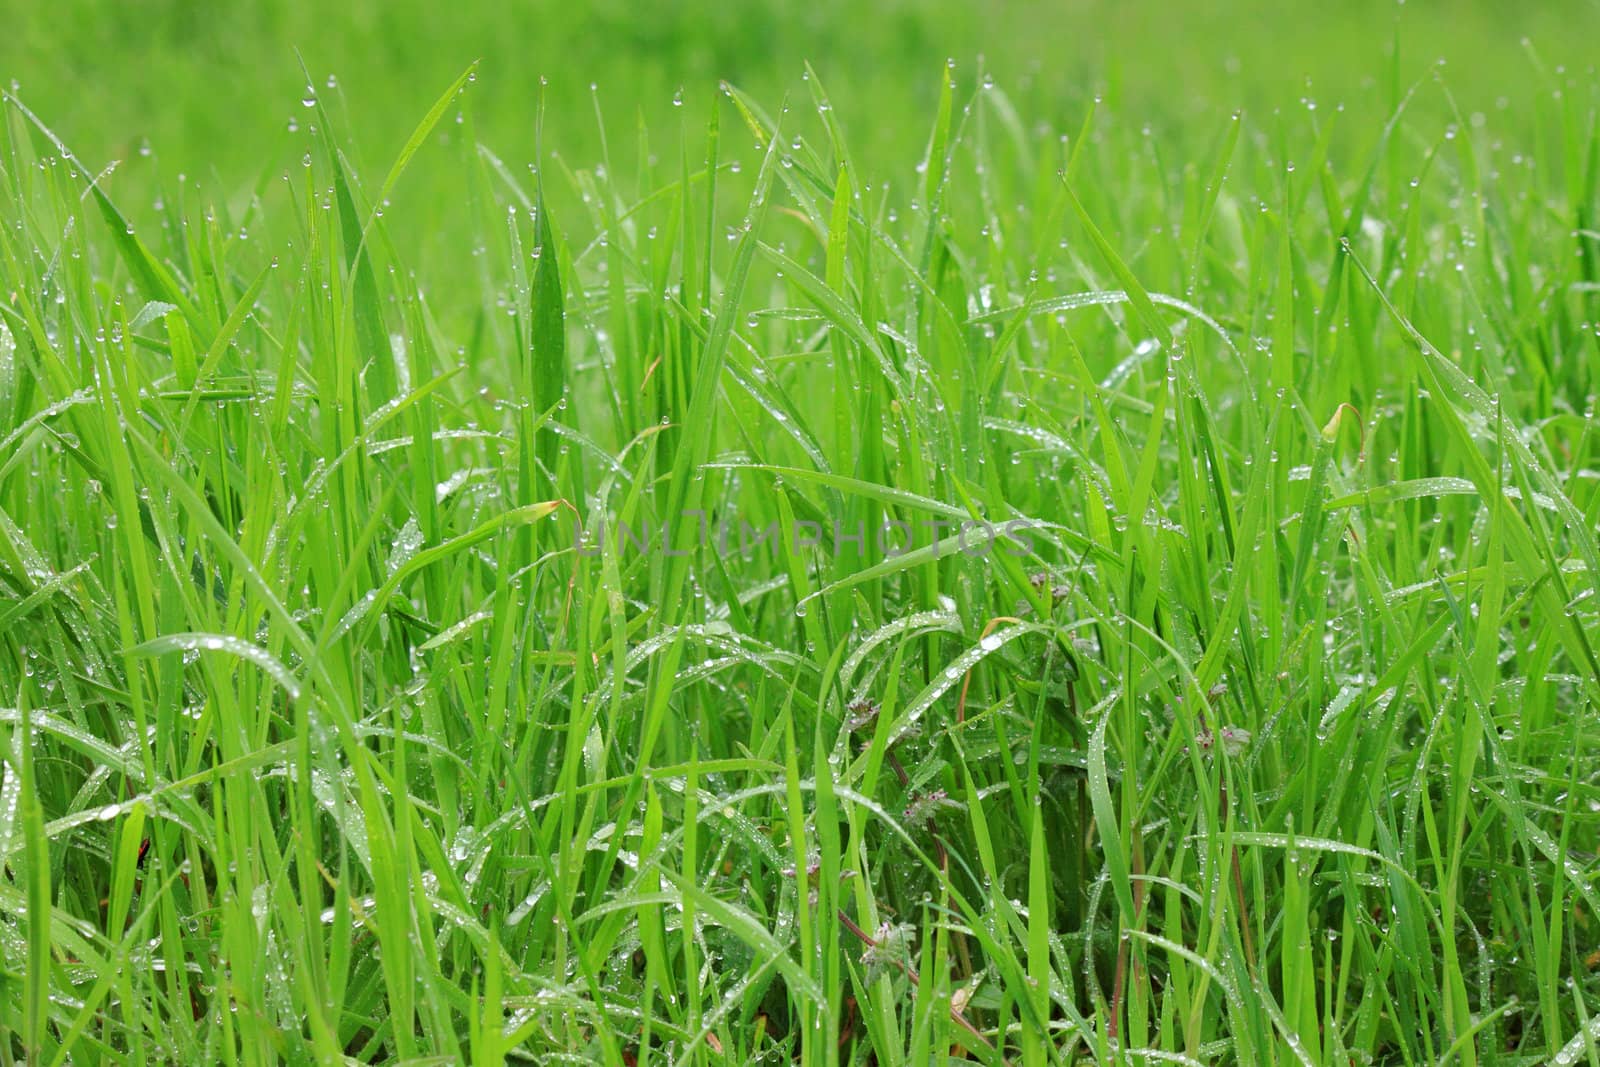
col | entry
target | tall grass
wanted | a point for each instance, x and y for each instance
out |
(1264, 735)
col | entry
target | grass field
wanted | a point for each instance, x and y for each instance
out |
(879, 534)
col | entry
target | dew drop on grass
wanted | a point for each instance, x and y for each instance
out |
(8, 351)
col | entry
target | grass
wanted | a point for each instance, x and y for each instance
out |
(1258, 728)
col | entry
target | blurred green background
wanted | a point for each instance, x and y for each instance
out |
(201, 105)
(212, 88)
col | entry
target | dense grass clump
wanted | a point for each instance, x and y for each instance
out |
(1073, 591)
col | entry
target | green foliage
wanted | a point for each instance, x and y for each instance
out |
(1259, 729)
